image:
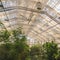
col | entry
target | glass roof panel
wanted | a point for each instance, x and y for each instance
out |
(40, 22)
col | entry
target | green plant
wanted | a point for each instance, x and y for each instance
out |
(50, 50)
(36, 52)
(4, 36)
(22, 48)
(18, 50)
(21, 45)
(58, 56)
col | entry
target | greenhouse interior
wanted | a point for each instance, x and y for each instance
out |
(29, 29)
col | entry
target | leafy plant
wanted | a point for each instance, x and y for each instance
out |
(18, 50)
(58, 56)
(36, 52)
(4, 35)
(50, 50)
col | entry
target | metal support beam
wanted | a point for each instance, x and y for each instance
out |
(29, 9)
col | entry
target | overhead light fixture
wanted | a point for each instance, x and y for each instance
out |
(1, 4)
(39, 5)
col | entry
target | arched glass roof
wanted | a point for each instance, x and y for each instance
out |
(39, 19)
